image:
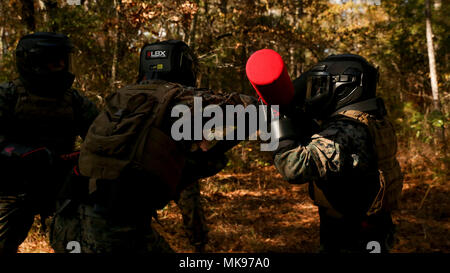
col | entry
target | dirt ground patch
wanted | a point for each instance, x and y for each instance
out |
(258, 212)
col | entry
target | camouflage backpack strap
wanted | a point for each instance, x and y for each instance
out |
(163, 94)
(156, 152)
(384, 143)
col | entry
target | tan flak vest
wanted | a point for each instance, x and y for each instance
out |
(45, 120)
(385, 145)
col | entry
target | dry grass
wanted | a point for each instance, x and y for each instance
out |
(37, 240)
(256, 211)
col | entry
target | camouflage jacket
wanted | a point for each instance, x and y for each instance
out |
(205, 158)
(341, 163)
(31, 120)
(132, 137)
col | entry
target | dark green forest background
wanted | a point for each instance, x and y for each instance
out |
(249, 207)
(108, 35)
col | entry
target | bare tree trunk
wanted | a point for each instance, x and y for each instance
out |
(43, 18)
(2, 31)
(208, 79)
(51, 7)
(2, 46)
(193, 29)
(292, 67)
(115, 46)
(28, 14)
(243, 62)
(433, 74)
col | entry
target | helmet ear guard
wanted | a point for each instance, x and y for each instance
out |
(348, 87)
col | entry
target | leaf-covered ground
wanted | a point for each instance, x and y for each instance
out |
(256, 211)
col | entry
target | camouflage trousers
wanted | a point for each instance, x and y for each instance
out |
(353, 235)
(16, 219)
(83, 229)
(86, 224)
(193, 216)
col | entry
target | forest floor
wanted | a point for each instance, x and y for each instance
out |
(256, 211)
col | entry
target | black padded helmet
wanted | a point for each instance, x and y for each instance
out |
(335, 82)
(43, 62)
(170, 60)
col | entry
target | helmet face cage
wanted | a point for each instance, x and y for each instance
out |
(168, 60)
(41, 52)
(46, 61)
(43, 62)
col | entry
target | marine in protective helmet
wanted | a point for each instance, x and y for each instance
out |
(43, 63)
(349, 162)
(121, 197)
(335, 82)
(170, 60)
(173, 61)
(40, 118)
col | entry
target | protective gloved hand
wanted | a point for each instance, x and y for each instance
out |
(33, 156)
(285, 131)
(284, 128)
(294, 127)
(26, 169)
(72, 159)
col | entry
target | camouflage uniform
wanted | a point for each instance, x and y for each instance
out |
(32, 121)
(190, 199)
(193, 216)
(123, 224)
(344, 169)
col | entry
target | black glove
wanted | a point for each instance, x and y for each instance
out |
(284, 128)
(27, 169)
(27, 156)
(293, 128)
